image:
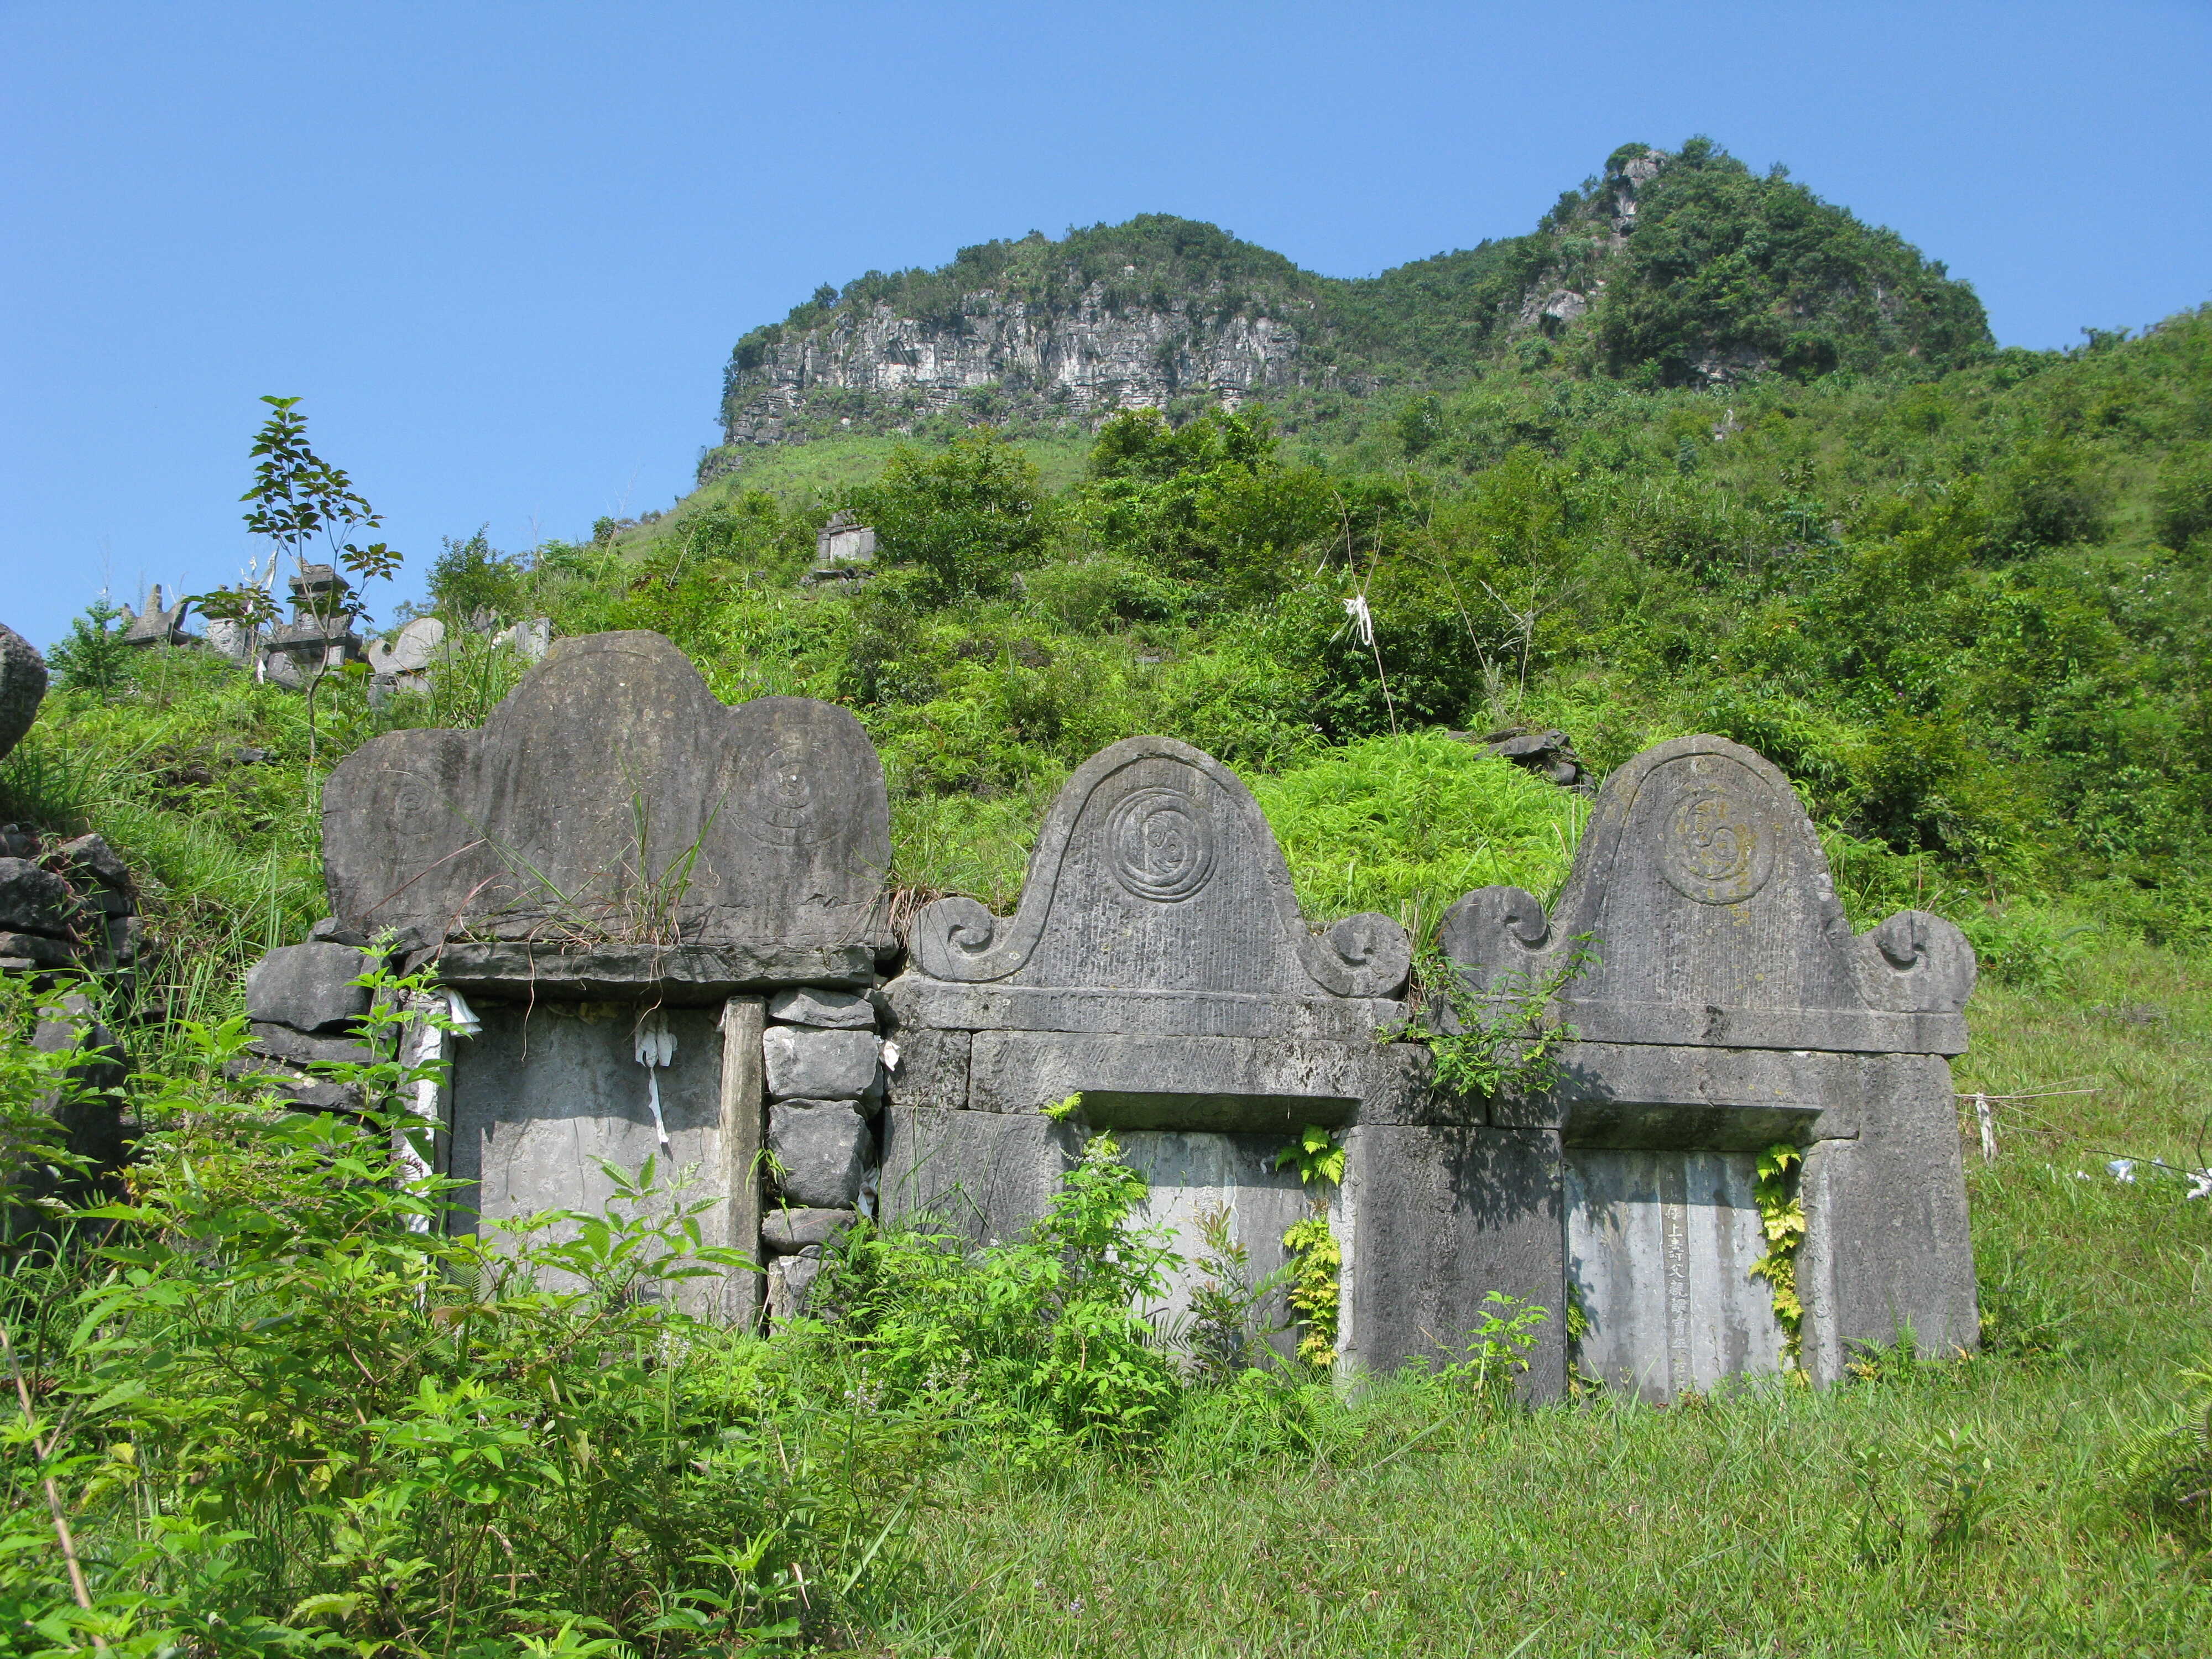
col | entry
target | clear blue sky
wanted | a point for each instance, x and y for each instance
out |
(502, 250)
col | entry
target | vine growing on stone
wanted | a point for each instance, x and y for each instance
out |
(1781, 1218)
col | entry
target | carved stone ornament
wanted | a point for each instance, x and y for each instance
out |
(610, 800)
(1156, 900)
(1704, 898)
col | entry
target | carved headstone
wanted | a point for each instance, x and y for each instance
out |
(413, 649)
(1721, 1004)
(610, 802)
(1157, 965)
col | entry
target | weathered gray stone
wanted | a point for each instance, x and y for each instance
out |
(1728, 1006)
(1189, 1174)
(1154, 873)
(678, 976)
(1702, 883)
(822, 1151)
(815, 1064)
(1197, 1083)
(163, 624)
(790, 1281)
(1725, 1099)
(415, 647)
(88, 1106)
(35, 950)
(1434, 1219)
(786, 1229)
(282, 1043)
(308, 988)
(983, 1176)
(609, 798)
(931, 1068)
(542, 1096)
(23, 686)
(91, 862)
(812, 1005)
(33, 900)
(1660, 1247)
(1888, 1248)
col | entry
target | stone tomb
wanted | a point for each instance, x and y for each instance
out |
(618, 873)
(1158, 966)
(1729, 1007)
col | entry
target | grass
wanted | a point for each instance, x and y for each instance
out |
(1925, 1509)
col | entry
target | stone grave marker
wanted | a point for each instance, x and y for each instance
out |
(614, 874)
(1157, 965)
(1728, 1006)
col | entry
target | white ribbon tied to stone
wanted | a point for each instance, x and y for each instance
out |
(656, 1047)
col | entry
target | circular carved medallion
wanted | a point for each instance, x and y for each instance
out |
(779, 802)
(1716, 849)
(1159, 844)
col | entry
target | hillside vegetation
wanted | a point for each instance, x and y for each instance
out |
(1665, 270)
(1960, 595)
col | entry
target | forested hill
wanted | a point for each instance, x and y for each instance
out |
(1680, 268)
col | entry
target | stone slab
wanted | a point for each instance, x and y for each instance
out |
(1228, 1083)
(1155, 872)
(282, 1043)
(542, 1096)
(1659, 1247)
(1703, 900)
(931, 1069)
(1886, 1243)
(1434, 1219)
(917, 1001)
(981, 1177)
(308, 988)
(36, 949)
(814, 1005)
(1188, 1174)
(689, 975)
(611, 796)
(744, 1109)
(33, 900)
(786, 1228)
(823, 1152)
(815, 1065)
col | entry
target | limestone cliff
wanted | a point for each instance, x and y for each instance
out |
(1682, 268)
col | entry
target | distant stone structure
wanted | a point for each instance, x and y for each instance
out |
(844, 550)
(1727, 1007)
(321, 635)
(160, 625)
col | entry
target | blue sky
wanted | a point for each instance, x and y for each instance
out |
(502, 251)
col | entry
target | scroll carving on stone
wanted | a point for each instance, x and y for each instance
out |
(1703, 890)
(1155, 871)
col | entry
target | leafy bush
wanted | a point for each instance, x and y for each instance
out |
(967, 518)
(1038, 1343)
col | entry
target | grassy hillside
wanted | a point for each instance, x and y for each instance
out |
(1965, 609)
